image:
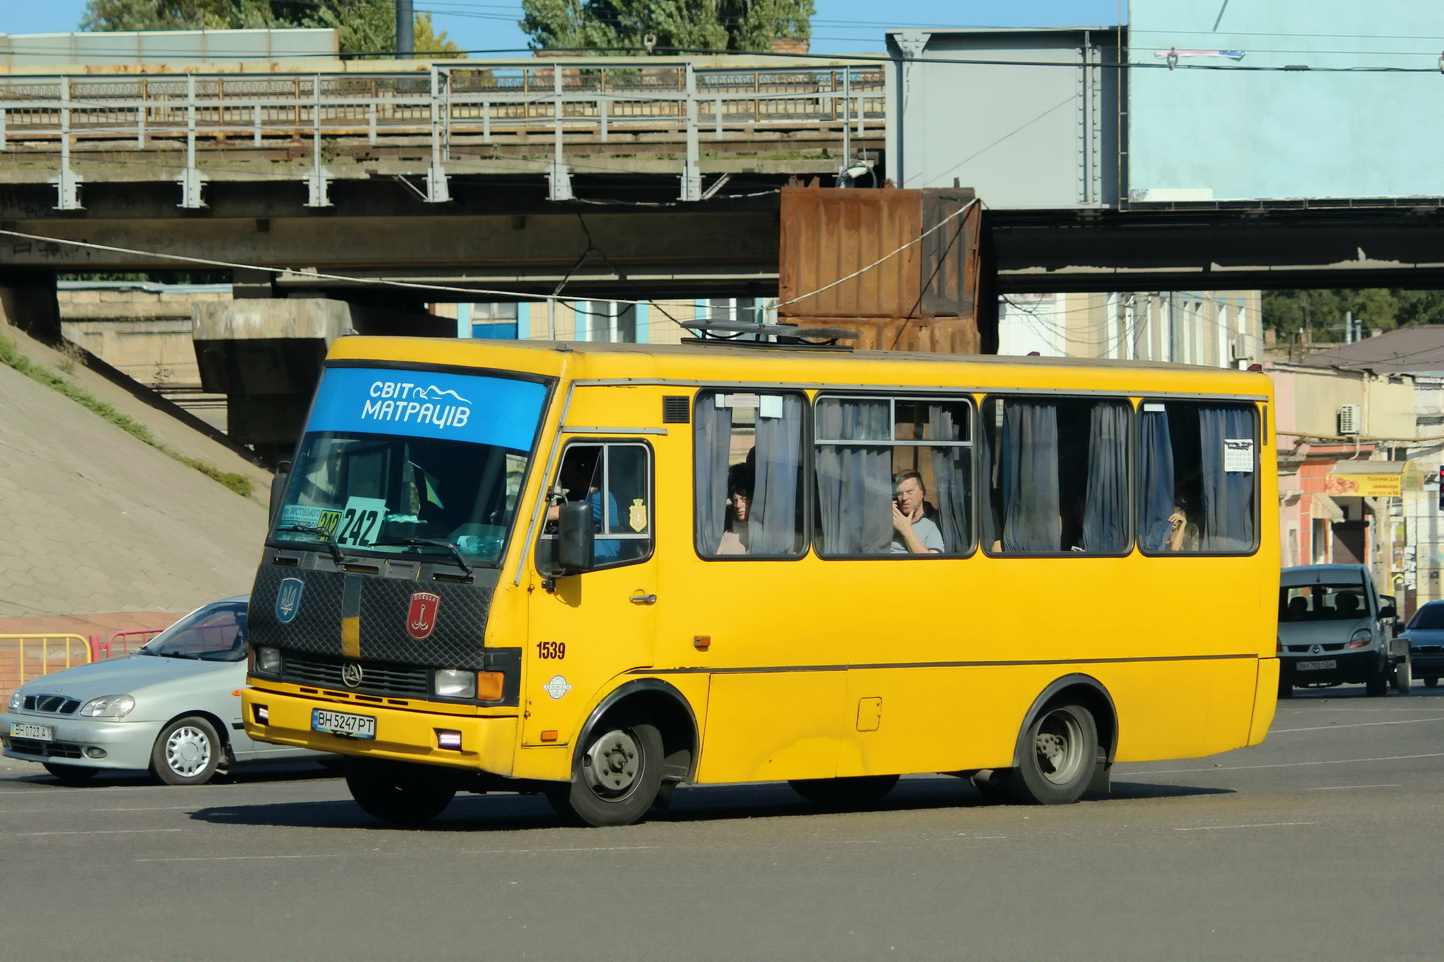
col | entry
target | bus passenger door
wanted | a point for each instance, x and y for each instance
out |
(592, 626)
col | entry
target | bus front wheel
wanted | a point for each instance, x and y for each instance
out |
(616, 776)
(397, 792)
(1059, 754)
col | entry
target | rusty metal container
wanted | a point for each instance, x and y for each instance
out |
(888, 253)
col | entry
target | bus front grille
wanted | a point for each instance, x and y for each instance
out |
(376, 679)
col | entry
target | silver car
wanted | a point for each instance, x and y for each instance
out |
(172, 707)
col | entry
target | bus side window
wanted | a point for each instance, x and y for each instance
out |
(615, 478)
(868, 450)
(1058, 475)
(1198, 477)
(748, 455)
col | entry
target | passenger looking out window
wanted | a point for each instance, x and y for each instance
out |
(761, 434)
(877, 460)
(1197, 463)
(913, 531)
(739, 502)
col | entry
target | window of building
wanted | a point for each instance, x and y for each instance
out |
(496, 321)
(1057, 475)
(1198, 477)
(749, 469)
(611, 322)
(874, 454)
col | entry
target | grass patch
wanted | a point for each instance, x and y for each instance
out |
(11, 357)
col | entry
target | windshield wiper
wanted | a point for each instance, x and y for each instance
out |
(327, 536)
(451, 546)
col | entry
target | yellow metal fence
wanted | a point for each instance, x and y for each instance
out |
(23, 657)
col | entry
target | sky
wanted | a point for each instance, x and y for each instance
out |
(838, 26)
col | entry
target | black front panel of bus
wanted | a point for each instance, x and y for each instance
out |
(302, 609)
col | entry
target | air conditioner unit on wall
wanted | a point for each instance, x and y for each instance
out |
(1348, 419)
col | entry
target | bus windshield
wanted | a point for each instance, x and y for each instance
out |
(412, 464)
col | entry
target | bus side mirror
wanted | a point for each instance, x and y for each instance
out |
(279, 483)
(575, 537)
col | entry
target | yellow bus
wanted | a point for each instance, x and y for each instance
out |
(600, 571)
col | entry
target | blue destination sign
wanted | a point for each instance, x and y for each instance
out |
(421, 404)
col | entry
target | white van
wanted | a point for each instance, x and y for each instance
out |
(1334, 629)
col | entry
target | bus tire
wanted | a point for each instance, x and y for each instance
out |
(1430, 681)
(397, 792)
(844, 792)
(615, 778)
(1058, 755)
(187, 752)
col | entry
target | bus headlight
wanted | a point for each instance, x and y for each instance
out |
(268, 661)
(1361, 638)
(454, 683)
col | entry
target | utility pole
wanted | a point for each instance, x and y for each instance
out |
(405, 35)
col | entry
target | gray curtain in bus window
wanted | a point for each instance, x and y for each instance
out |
(1155, 500)
(854, 482)
(713, 429)
(774, 524)
(952, 477)
(1031, 517)
(1228, 496)
(1105, 506)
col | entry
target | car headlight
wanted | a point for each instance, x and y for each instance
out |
(455, 683)
(268, 661)
(16, 699)
(108, 706)
(1361, 638)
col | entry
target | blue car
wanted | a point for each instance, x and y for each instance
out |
(1425, 634)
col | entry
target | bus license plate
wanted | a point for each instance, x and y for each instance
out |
(41, 733)
(340, 723)
(1316, 665)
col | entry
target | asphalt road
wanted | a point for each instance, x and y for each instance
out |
(1323, 843)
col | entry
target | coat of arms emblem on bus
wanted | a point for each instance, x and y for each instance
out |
(288, 599)
(421, 617)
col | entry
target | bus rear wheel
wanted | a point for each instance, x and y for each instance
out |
(615, 778)
(842, 792)
(396, 792)
(1059, 754)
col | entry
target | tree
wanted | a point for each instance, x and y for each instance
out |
(362, 26)
(621, 26)
(1324, 313)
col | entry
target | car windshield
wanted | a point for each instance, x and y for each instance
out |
(412, 464)
(214, 633)
(1428, 618)
(1339, 601)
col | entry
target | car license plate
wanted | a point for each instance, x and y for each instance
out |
(341, 723)
(42, 733)
(1316, 665)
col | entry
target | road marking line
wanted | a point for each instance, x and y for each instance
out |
(1239, 768)
(1209, 828)
(116, 831)
(1325, 728)
(492, 851)
(1345, 788)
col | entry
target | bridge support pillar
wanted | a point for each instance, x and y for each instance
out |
(27, 301)
(265, 355)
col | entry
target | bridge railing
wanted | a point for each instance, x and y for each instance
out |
(675, 103)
